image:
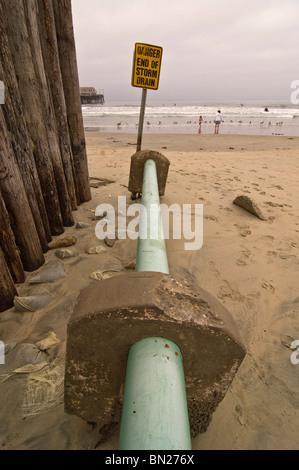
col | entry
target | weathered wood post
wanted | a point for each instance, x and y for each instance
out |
(32, 104)
(9, 247)
(52, 66)
(7, 287)
(14, 195)
(14, 118)
(69, 71)
(47, 111)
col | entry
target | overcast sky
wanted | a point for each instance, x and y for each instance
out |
(212, 49)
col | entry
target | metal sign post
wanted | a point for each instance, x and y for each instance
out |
(146, 75)
(141, 118)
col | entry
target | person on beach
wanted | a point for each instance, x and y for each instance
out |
(200, 123)
(217, 121)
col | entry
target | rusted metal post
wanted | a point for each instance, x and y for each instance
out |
(141, 118)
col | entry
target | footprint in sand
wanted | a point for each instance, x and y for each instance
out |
(269, 238)
(244, 230)
(241, 262)
(226, 291)
(285, 255)
(272, 253)
(269, 286)
(240, 417)
(245, 256)
(211, 217)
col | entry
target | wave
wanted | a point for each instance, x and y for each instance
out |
(183, 118)
(187, 111)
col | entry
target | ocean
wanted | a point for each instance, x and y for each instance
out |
(182, 118)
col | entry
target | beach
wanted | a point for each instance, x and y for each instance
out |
(251, 118)
(250, 265)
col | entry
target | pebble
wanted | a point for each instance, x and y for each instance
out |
(63, 243)
(96, 250)
(82, 225)
(64, 254)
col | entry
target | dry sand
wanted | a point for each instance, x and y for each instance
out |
(250, 265)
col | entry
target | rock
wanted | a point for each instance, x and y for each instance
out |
(110, 242)
(100, 217)
(96, 250)
(64, 253)
(96, 276)
(131, 265)
(81, 225)
(31, 303)
(108, 270)
(50, 273)
(250, 206)
(23, 355)
(98, 182)
(62, 243)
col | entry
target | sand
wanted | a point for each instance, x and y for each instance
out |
(250, 265)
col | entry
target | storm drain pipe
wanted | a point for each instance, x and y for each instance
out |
(155, 413)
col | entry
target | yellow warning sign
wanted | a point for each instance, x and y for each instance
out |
(146, 66)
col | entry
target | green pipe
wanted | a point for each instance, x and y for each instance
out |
(151, 250)
(155, 414)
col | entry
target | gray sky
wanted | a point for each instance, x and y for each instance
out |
(212, 49)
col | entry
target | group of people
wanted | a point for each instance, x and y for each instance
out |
(217, 122)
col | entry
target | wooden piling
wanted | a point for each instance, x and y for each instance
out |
(16, 202)
(69, 71)
(43, 161)
(7, 287)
